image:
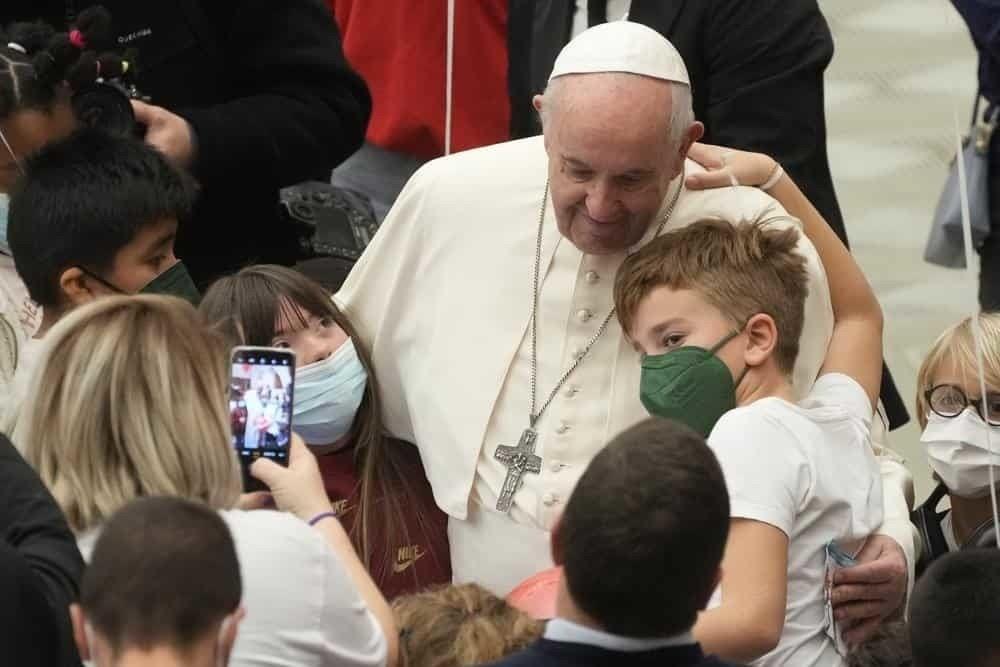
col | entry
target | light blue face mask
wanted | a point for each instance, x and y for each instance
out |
(5, 198)
(328, 394)
(4, 212)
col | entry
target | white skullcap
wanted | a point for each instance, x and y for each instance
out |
(622, 46)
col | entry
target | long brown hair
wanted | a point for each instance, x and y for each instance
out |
(246, 306)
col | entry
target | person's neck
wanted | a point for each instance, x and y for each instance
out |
(200, 655)
(567, 609)
(332, 448)
(763, 382)
(49, 318)
(967, 514)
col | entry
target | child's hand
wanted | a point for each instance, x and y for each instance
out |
(297, 489)
(727, 166)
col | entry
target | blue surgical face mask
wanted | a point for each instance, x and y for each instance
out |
(328, 394)
(4, 213)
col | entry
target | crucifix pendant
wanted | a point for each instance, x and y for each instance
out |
(519, 460)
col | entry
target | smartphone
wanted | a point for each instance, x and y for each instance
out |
(261, 391)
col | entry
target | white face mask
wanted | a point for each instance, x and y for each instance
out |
(328, 394)
(958, 449)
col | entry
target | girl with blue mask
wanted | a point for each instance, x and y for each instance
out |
(376, 483)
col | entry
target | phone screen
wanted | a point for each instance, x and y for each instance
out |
(261, 389)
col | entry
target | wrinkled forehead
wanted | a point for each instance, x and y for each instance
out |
(621, 121)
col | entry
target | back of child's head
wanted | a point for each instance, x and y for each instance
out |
(954, 614)
(739, 269)
(643, 533)
(36, 61)
(164, 574)
(82, 200)
(460, 626)
(954, 353)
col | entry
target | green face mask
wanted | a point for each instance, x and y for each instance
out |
(175, 281)
(690, 385)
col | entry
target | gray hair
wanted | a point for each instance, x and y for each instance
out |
(681, 107)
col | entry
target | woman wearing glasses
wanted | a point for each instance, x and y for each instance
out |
(961, 437)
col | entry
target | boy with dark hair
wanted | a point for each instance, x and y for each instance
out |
(717, 308)
(640, 544)
(97, 214)
(94, 214)
(954, 613)
(163, 587)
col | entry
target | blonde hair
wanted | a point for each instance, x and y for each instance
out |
(741, 269)
(460, 626)
(128, 401)
(956, 346)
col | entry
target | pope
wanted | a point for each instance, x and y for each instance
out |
(486, 299)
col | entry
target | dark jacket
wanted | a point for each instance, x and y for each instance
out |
(756, 69)
(40, 569)
(983, 19)
(267, 90)
(547, 653)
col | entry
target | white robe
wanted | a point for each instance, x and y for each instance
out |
(443, 296)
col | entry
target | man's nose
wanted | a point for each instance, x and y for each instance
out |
(602, 202)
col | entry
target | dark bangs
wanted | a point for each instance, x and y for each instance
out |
(247, 305)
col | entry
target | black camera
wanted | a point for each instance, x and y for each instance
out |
(329, 221)
(106, 104)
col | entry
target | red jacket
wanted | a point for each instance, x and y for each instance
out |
(425, 559)
(399, 48)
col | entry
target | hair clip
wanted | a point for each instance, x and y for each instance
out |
(14, 46)
(77, 39)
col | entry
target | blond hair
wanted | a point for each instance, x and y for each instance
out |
(741, 269)
(956, 346)
(460, 626)
(128, 401)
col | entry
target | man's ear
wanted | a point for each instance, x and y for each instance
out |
(79, 631)
(762, 339)
(74, 288)
(538, 102)
(556, 543)
(693, 134)
(227, 636)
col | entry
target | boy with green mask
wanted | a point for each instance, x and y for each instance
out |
(717, 309)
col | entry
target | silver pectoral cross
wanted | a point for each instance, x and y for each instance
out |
(519, 460)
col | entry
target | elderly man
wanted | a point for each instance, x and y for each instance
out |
(486, 299)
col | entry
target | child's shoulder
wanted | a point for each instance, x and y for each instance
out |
(766, 418)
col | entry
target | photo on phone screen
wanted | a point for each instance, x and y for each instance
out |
(261, 389)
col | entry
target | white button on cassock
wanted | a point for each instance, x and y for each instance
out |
(550, 499)
(572, 391)
(592, 277)
(584, 315)
(562, 428)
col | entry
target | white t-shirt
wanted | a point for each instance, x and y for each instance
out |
(302, 607)
(808, 470)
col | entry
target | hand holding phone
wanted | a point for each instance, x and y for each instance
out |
(261, 391)
(297, 489)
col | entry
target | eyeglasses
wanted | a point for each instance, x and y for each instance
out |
(949, 401)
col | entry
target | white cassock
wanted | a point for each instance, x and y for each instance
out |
(443, 299)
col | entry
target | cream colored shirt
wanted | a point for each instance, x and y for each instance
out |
(443, 298)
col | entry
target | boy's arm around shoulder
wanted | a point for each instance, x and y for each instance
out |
(856, 345)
